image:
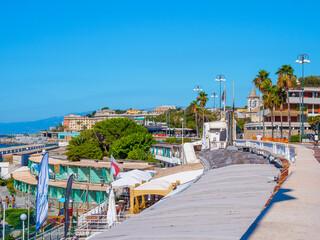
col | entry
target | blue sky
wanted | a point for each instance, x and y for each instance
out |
(58, 57)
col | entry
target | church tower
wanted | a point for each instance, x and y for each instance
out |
(253, 100)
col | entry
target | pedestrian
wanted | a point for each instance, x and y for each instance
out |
(7, 202)
(315, 138)
(259, 137)
(1, 206)
(13, 201)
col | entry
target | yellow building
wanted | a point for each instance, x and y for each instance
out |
(133, 111)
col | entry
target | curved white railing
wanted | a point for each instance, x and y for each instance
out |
(279, 149)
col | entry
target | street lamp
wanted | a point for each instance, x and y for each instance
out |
(197, 89)
(302, 58)
(214, 95)
(220, 78)
(23, 217)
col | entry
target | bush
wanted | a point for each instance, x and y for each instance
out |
(137, 154)
(9, 183)
(177, 141)
(13, 217)
(296, 138)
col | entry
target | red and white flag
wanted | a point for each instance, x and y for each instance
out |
(114, 169)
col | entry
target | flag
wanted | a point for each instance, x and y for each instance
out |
(223, 99)
(68, 192)
(114, 169)
(42, 205)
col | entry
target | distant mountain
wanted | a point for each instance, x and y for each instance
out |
(32, 126)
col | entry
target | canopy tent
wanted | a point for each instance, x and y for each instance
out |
(159, 186)
(163, 183)
(129, 179)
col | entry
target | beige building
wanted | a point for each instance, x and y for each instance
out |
(163, 109)
(76, 123)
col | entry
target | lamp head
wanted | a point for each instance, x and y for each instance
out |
(297, 61)
(23, 217)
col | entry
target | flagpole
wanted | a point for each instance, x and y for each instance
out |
(28, 210)
(225, 100)
(4, 222)
(232, 116)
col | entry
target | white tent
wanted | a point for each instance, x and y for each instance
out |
(129, 179)
(112, 212)
(165, 182)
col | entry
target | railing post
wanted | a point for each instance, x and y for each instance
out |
(274, 148)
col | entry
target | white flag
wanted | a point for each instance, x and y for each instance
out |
(223, 99)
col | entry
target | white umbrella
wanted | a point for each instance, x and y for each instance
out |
(129, 179)
(112, 212)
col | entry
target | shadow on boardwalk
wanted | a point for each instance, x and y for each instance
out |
(279, 197)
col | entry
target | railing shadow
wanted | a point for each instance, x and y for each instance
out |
(280, 196)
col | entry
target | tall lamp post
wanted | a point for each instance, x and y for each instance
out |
(302, 58)
(220, 78)
(214, 95)
(197, 89)
(23, 217)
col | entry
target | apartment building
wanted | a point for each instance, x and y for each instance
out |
(76, 123)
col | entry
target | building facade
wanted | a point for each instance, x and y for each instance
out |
(91, 178)
(77, 123)
(163, 109)
(311, 99)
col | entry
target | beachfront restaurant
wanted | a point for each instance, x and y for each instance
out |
(91, 178)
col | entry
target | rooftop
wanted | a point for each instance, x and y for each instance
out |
(222, 204)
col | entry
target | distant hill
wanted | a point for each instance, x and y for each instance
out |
(32, 126)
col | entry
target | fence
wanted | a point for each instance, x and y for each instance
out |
(278, 149)
(97, 223)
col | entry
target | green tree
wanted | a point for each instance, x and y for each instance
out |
(286, 81)
(106, 135)
(202, 99)
(310, 81)
(123, 146)
(242, 122)
(110, 130)
(261, 77)
(281, 101)
(105, 108)
(195, 108)
(84, 146)
(270, 99)
(314, 121)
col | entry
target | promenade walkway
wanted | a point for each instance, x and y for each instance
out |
(294, 212)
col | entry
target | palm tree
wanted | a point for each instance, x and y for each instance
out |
(286, 81)
(202, 99)
(194, 108)
(281, 101)
(258, 81)
(270, 99)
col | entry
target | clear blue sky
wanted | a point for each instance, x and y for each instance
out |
(58, 57)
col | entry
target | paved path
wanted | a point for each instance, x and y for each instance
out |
(294, 212)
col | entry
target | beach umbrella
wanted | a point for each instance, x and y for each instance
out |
(112, 212)
(129, 179)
